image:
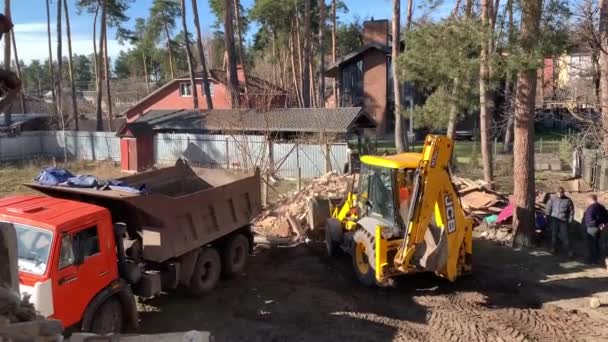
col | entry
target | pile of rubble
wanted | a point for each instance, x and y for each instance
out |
(287, 217)
(478, 200)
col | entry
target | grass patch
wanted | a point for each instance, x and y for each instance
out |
(14, 174)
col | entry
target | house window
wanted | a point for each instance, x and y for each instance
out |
(352, 84)
(185, 89)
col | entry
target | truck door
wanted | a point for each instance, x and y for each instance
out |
(78, 281)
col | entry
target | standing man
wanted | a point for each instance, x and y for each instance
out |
(560, 211)
(595, 216)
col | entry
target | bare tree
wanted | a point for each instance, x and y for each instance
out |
(603, 61)
(70, 65)
(233, 81)
(102, 34)
(306, 59)
(485, 116)
(18, 67)
(51, 72)
(321, 101)
(523, 148)
(509, 80)
(7, 37)
(237, 19)
(201, 54)
(400, 140)
(334, 45)
(107, 74)
(59, 83)
(189, 56)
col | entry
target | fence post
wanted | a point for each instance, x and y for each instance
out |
(265, 190)
(270, 156)
(327, 157)
(541, 145)
(227, 154)
(495, 152)
(298, 166)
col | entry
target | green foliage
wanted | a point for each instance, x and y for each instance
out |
(442, 59)
(116, 10)
(565, 147)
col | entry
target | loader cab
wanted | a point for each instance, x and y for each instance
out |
(386, 186)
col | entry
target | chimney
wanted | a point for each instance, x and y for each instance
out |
(240, 73)
(375, 31)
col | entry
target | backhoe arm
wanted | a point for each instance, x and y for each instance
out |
(439, 235)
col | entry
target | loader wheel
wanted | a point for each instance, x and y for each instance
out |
(333, 232)
(108, 318)
(206, 272)
(363, 257)
(235, 255)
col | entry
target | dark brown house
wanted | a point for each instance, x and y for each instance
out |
(364, 77)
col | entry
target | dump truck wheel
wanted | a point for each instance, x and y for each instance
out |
(206, 272)
(333, 231)
(363, 257)
(235, 255)
(108, 318)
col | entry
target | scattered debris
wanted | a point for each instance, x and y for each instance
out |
(478, 200)
(594, 303)
(288, 217)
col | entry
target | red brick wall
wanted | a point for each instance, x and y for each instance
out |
(169, 98)
(374, 87)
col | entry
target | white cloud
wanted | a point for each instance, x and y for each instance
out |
(32, 42)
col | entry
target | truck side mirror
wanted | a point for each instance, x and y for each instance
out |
(78, 252)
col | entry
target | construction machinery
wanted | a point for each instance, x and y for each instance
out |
(83, 253)
(403, 216)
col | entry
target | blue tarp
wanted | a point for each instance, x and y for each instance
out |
(53, 176)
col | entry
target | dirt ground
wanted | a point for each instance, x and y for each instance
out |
(299, 294)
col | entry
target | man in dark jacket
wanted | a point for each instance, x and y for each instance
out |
(595, 216)
(560, 212)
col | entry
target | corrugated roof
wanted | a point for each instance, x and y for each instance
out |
(331, 120)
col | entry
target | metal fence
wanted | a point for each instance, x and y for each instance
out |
(226, 151)
(246, 151)
(58, 144)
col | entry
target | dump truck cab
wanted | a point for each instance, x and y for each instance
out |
(67, 258)
(403, 216)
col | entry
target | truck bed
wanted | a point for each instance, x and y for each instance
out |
(185, 208)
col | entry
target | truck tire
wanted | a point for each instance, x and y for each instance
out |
(235, 255)
(206, 272)
(108, 318)
(363, 252)
(333, 236)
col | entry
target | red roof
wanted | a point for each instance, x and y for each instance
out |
(45, 212)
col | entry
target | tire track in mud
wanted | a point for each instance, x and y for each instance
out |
(461, 318)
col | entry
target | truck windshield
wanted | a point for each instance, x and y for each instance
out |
(33, 248)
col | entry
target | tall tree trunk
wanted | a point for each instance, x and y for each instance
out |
(453, 113)
(145, 65)
(189, 56)
(107, 75)
(59, 65)
(306, 62)
(98, 100)
(170, 51)
(95, 57)
(51, 66)
(18, 68)
(400, 139)
(334, 46)
(321, 101)
(485, 115)
(603, 61)
(298, 43)
(7, 37)
(201, 55)
(509, 82)
(237, 20)
(68, 31)
(523, 149)
(296, 84)
(233, 81)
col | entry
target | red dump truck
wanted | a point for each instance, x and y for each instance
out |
(84, 253)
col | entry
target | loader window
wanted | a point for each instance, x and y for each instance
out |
(382, 196)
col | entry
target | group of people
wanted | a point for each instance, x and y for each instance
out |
(560, 212)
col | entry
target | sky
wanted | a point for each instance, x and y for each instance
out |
(29, 17)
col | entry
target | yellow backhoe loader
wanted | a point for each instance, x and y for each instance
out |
(403, 216)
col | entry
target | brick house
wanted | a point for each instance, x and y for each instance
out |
(364, 77)
(177, 94)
